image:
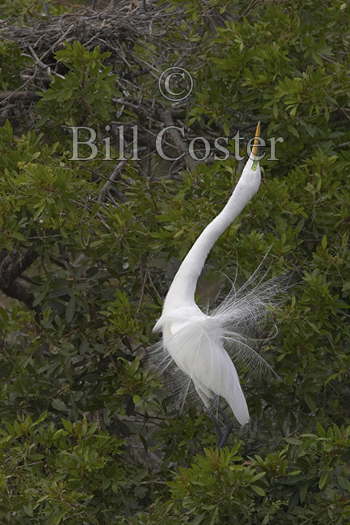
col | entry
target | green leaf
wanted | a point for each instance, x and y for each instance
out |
(260, 491)
(324, 479)
(58, 404)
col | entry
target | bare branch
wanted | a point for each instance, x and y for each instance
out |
(12, 265)
(114, 175)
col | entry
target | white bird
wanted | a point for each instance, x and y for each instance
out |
(194, 341)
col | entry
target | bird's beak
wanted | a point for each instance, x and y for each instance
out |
(256, 142)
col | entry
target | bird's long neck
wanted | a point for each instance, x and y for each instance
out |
(183, 287)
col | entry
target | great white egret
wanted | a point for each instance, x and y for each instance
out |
(198, 343)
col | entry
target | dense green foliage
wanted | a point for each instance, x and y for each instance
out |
(88, 434)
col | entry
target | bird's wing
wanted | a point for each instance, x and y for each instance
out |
(197, 349)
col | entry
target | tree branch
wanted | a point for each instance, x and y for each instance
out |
(12, 265)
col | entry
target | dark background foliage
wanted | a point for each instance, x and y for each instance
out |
(88, 434)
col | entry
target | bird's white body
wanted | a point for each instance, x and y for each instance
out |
(196, 341)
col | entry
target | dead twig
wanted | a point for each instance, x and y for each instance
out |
(114, 175)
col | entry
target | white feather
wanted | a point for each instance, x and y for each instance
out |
(197, 343)
(206, 346)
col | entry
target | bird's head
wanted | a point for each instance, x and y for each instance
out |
(256, 144)
(251, 175)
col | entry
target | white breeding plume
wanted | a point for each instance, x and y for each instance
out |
(196, 341)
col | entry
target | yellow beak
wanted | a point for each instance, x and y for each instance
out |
(256, 142)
